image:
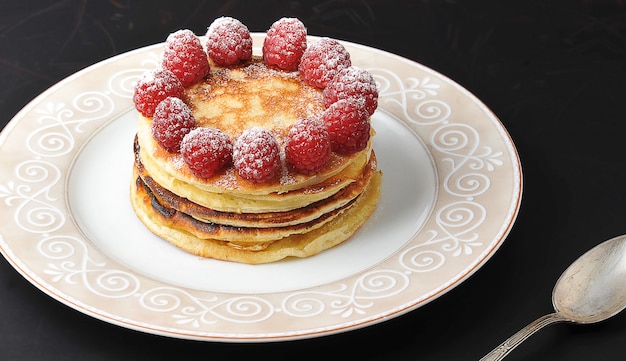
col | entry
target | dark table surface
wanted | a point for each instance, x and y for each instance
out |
(552, 71)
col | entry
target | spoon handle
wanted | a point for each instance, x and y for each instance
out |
(520, 336)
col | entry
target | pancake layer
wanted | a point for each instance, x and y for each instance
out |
(270, 219)
(161, 220)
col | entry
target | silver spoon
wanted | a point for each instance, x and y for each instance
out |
(592, 289)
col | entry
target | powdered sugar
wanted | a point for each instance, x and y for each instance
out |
(224, 22)
(285, 43)
(206, 150)
(352, 83)
(228, 41)
(262, 157)
(172, 120)
(256, 155)
(154, 86)
(185, 57)
(322, 61)
(348, 126)
(308, 146)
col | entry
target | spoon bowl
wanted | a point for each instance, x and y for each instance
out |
(590, 290)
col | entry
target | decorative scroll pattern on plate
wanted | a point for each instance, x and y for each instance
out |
(347, 299)
(466, 161)
(195, 311)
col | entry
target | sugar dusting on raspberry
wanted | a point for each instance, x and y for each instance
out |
(206, 150)
(284, 50)
(348, 125)
(154, 86)
(256, 155)
(171, 121)
(228, 41)
(285, 43)
(184, 55)
(308, 145)
(352, 82)
(322, 61)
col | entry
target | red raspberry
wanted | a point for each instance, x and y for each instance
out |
(348, 126)
(228, 41)
(206, 150)
(172, 120)
(352, 82)
(185, 57)
(285, 43)
(256, 155)
(308, 145)
(322, 61)
(153, 87)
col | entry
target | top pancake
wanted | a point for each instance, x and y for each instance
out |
(241, 97)
(237, 98)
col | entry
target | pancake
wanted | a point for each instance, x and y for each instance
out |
(239, 98)
(244, 235)
(338, 230)
(292, 217)
(220, 200)
(227, 217)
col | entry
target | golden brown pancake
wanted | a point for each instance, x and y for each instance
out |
(235, 99)
(228, 218)
(245, 235)
(292, 217)
(159, 220)
(279, 201)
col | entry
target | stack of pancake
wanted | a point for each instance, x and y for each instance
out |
(229, 218)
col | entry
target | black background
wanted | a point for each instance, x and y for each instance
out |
(552, 71)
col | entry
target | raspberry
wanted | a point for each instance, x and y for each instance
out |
(348, 126)
(185, 57)
(352, 82)
(308, 145)
(256, 155)
(228, 41)
(285, 43)
(153, 87)
(322, 61)
(172, 120)
(206, 150)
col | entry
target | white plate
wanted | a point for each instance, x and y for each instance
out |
(451, 191)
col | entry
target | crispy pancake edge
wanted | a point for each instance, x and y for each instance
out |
(248, 236)
(331, 234)
(273, 202)
(268, 219)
